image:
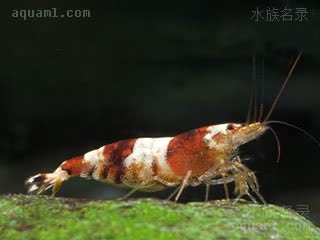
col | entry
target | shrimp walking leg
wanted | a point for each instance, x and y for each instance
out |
(132, 191)
(184, 184)
(172, 194)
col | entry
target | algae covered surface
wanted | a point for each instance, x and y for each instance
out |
(41, 217)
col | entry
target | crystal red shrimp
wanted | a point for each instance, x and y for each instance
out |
(206, 155)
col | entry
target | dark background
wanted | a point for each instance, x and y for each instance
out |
(141, 69)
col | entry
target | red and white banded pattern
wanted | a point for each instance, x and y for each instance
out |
(149, 164)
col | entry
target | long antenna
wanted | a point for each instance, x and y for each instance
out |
(251, 90)
(254, 76)
(278, 142)
(297, 128)
(261, 90)
(283, 87)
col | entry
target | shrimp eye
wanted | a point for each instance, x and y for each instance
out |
(230, 126)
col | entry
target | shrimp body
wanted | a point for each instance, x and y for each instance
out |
(151, 164)
(207, 155)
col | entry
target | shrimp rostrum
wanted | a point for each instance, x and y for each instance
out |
(207, 155)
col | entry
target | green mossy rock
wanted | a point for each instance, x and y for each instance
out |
(41, 217)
